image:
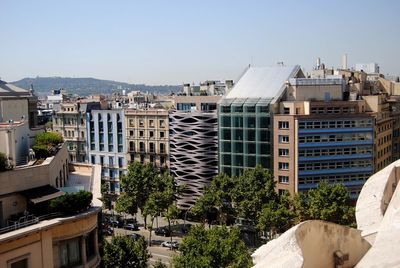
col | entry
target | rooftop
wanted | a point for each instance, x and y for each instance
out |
(11, 90)
(262, 82)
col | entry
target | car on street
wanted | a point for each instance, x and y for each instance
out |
(171, 245)
(134, 236)
(116, 223)
(131, 226)
(162, 231)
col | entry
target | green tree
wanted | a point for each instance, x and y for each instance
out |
(126, 204)
(216, 247)
(330, 202)
(123, 251)
(4, 162)
(276, 217)
(254, 188)
(48, 138)
(139, 183)
(72, 203)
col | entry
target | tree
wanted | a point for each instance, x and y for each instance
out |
(216, 247)
(329, 202)
(254, 188)
(72, 203)
(48, 138)
(124, 251)
(276, 217)
(4, 165)
(126, 203)
(139, 183)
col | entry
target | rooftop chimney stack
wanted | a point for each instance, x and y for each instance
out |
(318, 63)
(344, 61)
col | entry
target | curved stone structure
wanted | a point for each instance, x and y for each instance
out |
(313, 244)
(193, 152)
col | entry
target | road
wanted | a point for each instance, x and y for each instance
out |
(157, 251)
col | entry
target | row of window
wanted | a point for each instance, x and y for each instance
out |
(245, 108)
(151, 159)
(334, 165)
(283, 139)
(334, 178)
(110, 161)
(150, 123)
(336, 124)
(385, 139)
(151, 147)
(244, 121)
(335, 151)
(71, 134)
(336, 138)
(100, 117)
(151, 134)
(68, 121)
(332, 110)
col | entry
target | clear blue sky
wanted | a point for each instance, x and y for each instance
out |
(170, 42)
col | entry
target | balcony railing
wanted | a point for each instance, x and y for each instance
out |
(27, 221)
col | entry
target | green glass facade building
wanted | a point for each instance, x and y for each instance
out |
(245, 134)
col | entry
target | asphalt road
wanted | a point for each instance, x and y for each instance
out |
(157, 251)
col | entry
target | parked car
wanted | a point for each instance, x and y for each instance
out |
(131, 226)
(134, 236)
(107, 230)
(171, 245)
(116, 223)
(162, 231)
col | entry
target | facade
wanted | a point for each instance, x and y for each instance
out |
(30, 236)
(193, 145)
(147, 133)
(245, 118)
(107, 144)
(70, 121)
(319, 136)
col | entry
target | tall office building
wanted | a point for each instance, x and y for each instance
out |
(320, 136)
(107, 146)
(193, 145)
(245, 118)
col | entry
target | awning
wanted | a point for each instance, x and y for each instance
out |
(41, 194)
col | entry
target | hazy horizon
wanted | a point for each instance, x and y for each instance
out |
(175, 42)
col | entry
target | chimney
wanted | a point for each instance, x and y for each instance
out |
(344, 61)
(318, 63)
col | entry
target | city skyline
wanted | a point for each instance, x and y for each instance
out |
(157, 43)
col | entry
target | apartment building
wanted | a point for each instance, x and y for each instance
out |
(147, 136)
(70, 121)
(33, 236)
(193, 144)
(107, 145)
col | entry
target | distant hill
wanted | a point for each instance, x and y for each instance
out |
(88, 86)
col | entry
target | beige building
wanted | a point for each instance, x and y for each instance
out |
(70, 121)
(32, 237)
(147, 136)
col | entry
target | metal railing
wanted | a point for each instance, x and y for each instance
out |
(27, 221)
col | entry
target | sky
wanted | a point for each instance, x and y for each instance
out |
(176, 41)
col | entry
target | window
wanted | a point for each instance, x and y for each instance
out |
(162, 134)
(111, 160)
(283, 166)
(70, 253)
(283, 139)
(162, 123)
(131, 133)
(162, 148)
(90, 244)
(152, 147)
(20, 263)
(151, 134)
(283, 124)
(131, 122)
(283, 152)
(141, 123)
(93, 159)
(282, 191)
(283, 179)
(141, 133)
(151, 123)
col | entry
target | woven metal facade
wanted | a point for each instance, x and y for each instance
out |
(193, 152)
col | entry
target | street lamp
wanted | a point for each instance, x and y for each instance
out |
(184, 219)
